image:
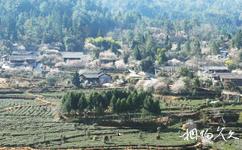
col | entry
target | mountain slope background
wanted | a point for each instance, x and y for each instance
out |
(72, 21)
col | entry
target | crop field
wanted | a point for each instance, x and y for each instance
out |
(35, 123)
(29, 123)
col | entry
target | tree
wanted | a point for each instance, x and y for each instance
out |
(237, 40)
(161, 56)
(126, 58)
(76, 79)
(185, 72)
(5, 47)
(214, 47)
(240, 56)
(70, 43)
(75, 102)
(97, 102)
(105, 44)
(151, 106)
(120, 101)
(82, 103)
(137, 53)
(178, 48)
(147, 65)
(179, 86)
(187, 47)
(114, 104)
(66, 103)
(168, 44)
(196, 47)
(51, 80)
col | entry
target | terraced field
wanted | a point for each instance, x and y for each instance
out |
(35, 123)
(31, 123)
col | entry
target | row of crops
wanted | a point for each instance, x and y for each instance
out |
(26, 123)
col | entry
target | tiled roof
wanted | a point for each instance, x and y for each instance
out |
(70, 55)
(230, 76)
(215, 68)
(21, 57)
(91, 74)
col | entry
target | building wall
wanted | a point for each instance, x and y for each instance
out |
(237, 82)
(105, 79)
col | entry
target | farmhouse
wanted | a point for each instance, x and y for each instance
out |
(69, 56)
(107, 58)
(228, 95)
(94, 78)
(215, 69)
(167, 69)
(4, 58)
(236, 79)
(22, 58)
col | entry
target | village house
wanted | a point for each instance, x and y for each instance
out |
(22, 58)
(226, 78)
(236, 79)
(108, 60)
(70, 56)
(215, 69)
(213, 72)
(94, 78)
(4, 58)
(228, 96)
(107, 57)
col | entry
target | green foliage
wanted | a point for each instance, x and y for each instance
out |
(47, 21)
(214, 46)
(70, 22)
(168, 44)
(237, 41)
(105, 43)
(187, 48)
(161, 56)
(196, 47)
(185, 72)
(51, 80)
(137, 53)
(147, 65)
(5, 47)
(240, 56)
(74, 102)
(119, 101)
(76, 79)
(178, 46)
(151, 106)
(196, 83)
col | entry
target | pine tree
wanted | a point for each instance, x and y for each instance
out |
(237, 41)
(137, 53)
(76, 79)
(214, 48)
(178, 48)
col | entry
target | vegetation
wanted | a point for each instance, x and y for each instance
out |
(153, 50)
(72, 23)
(118, 101)
(76, 79)
(105, 43)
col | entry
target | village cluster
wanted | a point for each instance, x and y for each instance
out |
(110, 70)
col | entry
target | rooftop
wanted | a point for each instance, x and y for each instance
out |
(230, 76)
(22, 57)
(215, 68)
(91, 74)
(22, 52)
(72, 55)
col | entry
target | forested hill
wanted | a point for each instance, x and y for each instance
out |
(213, 11)
(71, 21)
